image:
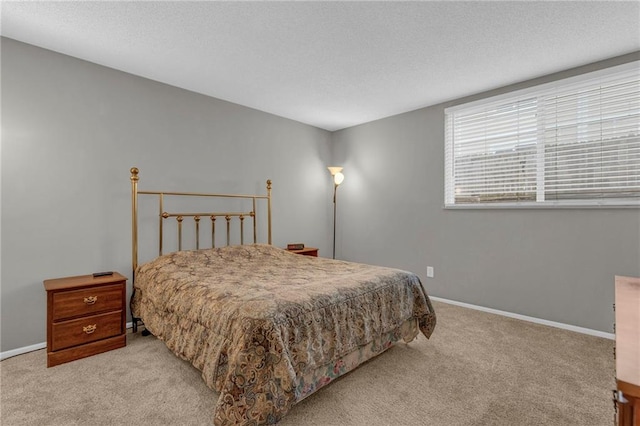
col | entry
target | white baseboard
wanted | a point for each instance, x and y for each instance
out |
(31, 348)
(611, 336)
(577, 329)
(23, 350)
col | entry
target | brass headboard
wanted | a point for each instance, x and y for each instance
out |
(163, 215)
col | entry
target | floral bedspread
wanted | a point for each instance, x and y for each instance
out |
(264, 325)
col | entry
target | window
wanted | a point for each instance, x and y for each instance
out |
(573, 142)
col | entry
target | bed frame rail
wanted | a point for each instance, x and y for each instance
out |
(212, 216)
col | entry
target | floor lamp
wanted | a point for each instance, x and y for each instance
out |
(338, 177)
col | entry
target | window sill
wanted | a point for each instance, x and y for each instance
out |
(610, 204)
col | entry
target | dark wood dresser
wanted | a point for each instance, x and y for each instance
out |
(627, 352)
(85, 316)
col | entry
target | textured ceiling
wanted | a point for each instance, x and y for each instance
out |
(331, 64)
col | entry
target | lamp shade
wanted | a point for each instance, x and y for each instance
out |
(333, 170)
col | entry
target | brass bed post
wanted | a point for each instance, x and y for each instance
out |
(179, 220)
(134, 235)
(134, 219)
(269, 208)
(213, 231)
(241, 229)
(253, 216)
(197, 220)
(160, 223)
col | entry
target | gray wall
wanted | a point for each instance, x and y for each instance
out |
(554, 264)
(70, 132)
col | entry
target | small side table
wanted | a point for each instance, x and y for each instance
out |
(307, 251)
(85, 316)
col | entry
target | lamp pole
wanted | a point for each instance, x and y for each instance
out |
(335, 191)
(338, 177)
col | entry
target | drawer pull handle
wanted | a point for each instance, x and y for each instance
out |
(89, 328)
(90, 300)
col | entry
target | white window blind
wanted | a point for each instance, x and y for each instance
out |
(572, 142)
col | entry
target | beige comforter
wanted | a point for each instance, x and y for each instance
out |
(258, 320)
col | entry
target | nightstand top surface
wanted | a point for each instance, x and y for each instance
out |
(306, 249)
(81, 281)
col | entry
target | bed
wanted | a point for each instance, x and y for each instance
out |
(267, 327)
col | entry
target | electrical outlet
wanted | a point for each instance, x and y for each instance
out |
(429, 271)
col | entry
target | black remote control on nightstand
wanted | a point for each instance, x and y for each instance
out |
(102, 274)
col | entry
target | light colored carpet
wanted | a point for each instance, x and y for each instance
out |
(477, 369)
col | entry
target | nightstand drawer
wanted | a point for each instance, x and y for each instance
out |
(85, 330)
(71, 304)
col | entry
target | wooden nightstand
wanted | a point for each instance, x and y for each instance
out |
(85, 316)
(307, 251)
